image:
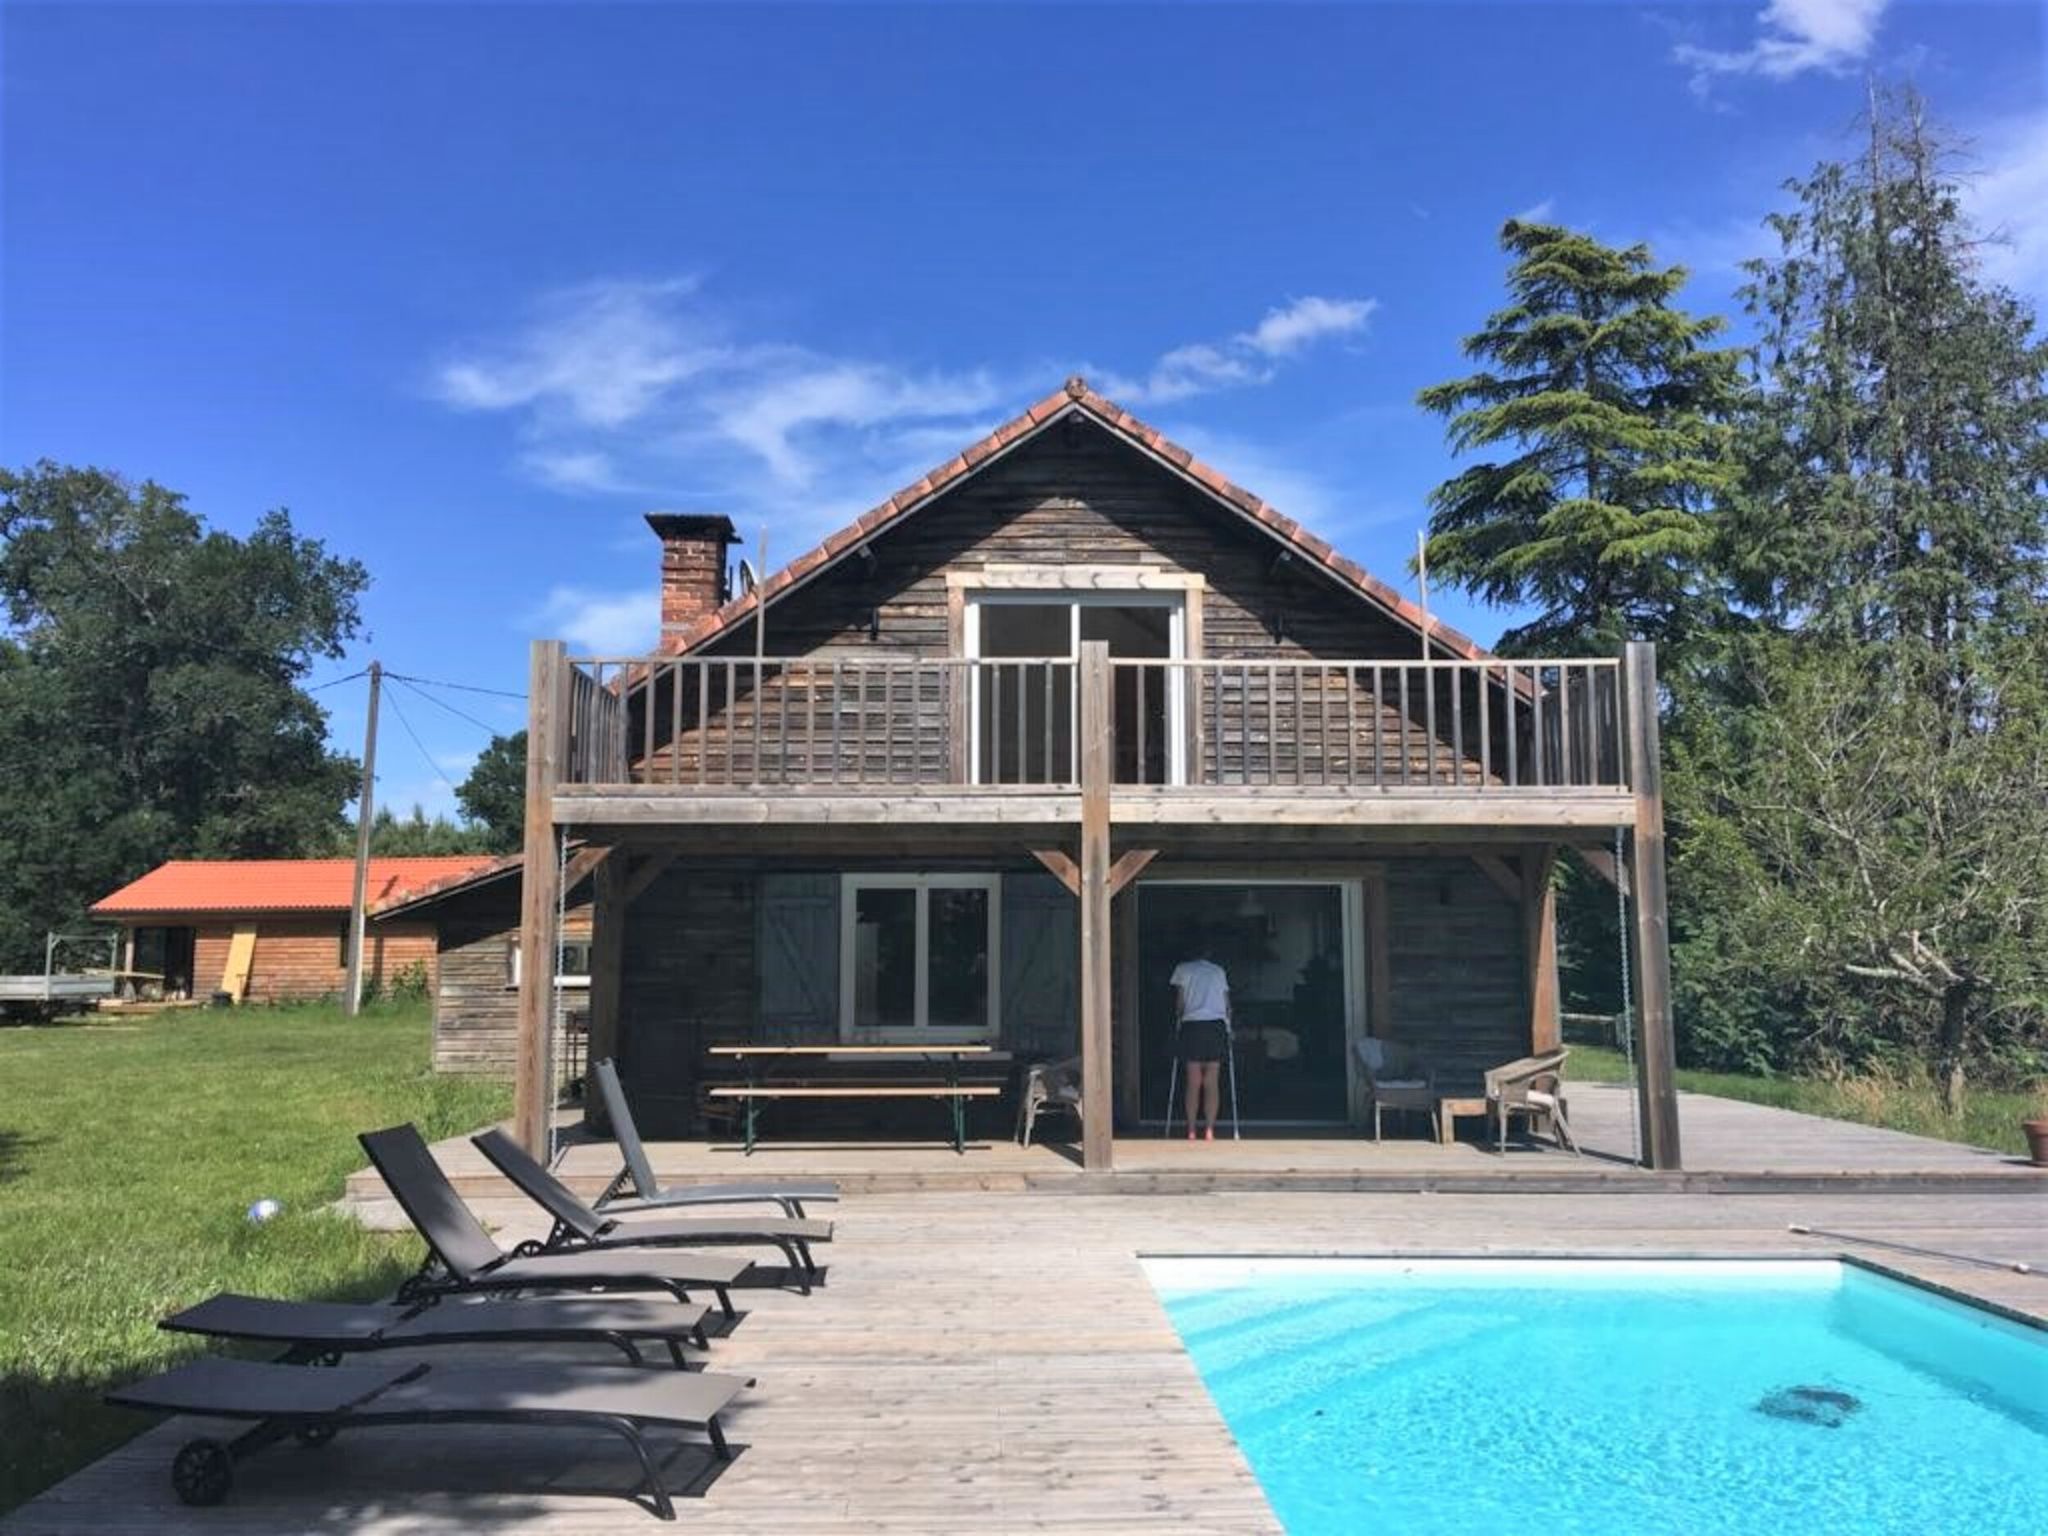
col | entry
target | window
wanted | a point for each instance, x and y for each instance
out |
(573, 971)
(917, 957)
(1022, 715)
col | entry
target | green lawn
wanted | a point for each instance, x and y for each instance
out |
(128, 1155)
(1987, 1118)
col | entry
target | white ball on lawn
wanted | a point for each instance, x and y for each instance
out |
(264, 1209)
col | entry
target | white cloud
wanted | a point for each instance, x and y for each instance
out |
(601, 353)
(1793, 37)
(1246, 358)
(771, 414)
(1290, 328)
(572, 469)
(2007, 199)
(606, 623)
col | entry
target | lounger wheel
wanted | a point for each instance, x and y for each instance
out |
(202, 1472)
(532, 1248)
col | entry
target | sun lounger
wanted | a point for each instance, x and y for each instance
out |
(462, 1256)
(315, 1404)
(326, 1330)
(579, 1228)
(638, 1172)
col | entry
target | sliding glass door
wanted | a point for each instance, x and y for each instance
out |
(1023, 716)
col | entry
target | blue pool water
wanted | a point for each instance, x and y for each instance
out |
(1417, 1397)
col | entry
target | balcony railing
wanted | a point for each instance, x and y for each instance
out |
(824, 723)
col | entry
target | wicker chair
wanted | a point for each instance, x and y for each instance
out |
(1532, 1087)
(1399, 1079)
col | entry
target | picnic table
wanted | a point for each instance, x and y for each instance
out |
(759, 1063)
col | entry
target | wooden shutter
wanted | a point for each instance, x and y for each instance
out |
(1041, 967)
(799, 959)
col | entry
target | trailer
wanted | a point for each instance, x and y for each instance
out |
(56, 992)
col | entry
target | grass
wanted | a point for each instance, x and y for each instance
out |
(1987, 1118)
(129, 1154)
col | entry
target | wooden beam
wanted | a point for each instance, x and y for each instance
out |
(1097, 1097)
(1129, 865)
(1379, 963)
(1496, 869)
(539, 891)
(1538, 899)
(1601, 862)
(582, 863)
(646, 871)
(609, 903)
(1062, 867)
(1657, 1053)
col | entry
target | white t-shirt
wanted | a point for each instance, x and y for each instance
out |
(1204, 989)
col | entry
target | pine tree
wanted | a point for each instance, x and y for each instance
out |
(1616, 410)
(1862, 804)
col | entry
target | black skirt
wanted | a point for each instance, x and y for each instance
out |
(1202, 1039)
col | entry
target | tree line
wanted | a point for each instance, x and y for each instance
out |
(154, 700)
(1836, 535)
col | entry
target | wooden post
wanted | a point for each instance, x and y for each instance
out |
(1539, 924)
(1130, 1003)
(352, 987)
(1652, 925)
(608, 906)
(1379, 964)
(1096, 1095)
(539, 882)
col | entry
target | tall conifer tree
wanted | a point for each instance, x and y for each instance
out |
(1614, 407)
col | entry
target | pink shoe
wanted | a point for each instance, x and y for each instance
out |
(1191, 1133)
(1209, 1134)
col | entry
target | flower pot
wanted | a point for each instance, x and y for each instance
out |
(2037, 1140)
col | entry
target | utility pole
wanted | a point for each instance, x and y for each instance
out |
(1422, 586)
(352, 999)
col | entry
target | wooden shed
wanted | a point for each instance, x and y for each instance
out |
(270, 930)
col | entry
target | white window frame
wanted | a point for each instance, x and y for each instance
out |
(1173, 598)
(562, 978)
(921, 1030)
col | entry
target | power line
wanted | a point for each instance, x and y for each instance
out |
(336, 682)
(503, 693)
(425, 755)
(461, 714)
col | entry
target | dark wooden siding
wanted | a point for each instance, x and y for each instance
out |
(476, 1009)
(1066, 498)
(687, 980)
(1455, 949)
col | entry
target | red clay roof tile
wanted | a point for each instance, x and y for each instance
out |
(276, 885)
(1075, 395)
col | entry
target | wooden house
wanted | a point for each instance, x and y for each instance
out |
(473, 916)
(973, 768)
(268, 930)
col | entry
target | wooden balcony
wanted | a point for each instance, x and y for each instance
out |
(653, 740)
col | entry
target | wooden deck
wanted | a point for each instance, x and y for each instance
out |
(1730, 1147)
(999, 1363)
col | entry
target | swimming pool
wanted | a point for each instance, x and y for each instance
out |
(1700, 1397)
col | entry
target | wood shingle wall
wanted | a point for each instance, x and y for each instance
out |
(1071, 498)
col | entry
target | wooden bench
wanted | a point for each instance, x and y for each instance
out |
(759, 1087)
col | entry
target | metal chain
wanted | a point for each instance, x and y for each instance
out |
(558, 1027)
(1628, 1006)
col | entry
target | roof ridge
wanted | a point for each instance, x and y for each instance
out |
(1074, 395)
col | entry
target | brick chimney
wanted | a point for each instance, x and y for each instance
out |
(693, 549)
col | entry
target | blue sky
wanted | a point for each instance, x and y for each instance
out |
(469, 288)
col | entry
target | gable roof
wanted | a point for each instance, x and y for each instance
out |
(274, 885)
(1076, 398)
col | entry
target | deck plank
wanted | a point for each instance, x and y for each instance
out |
(999, 1363)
